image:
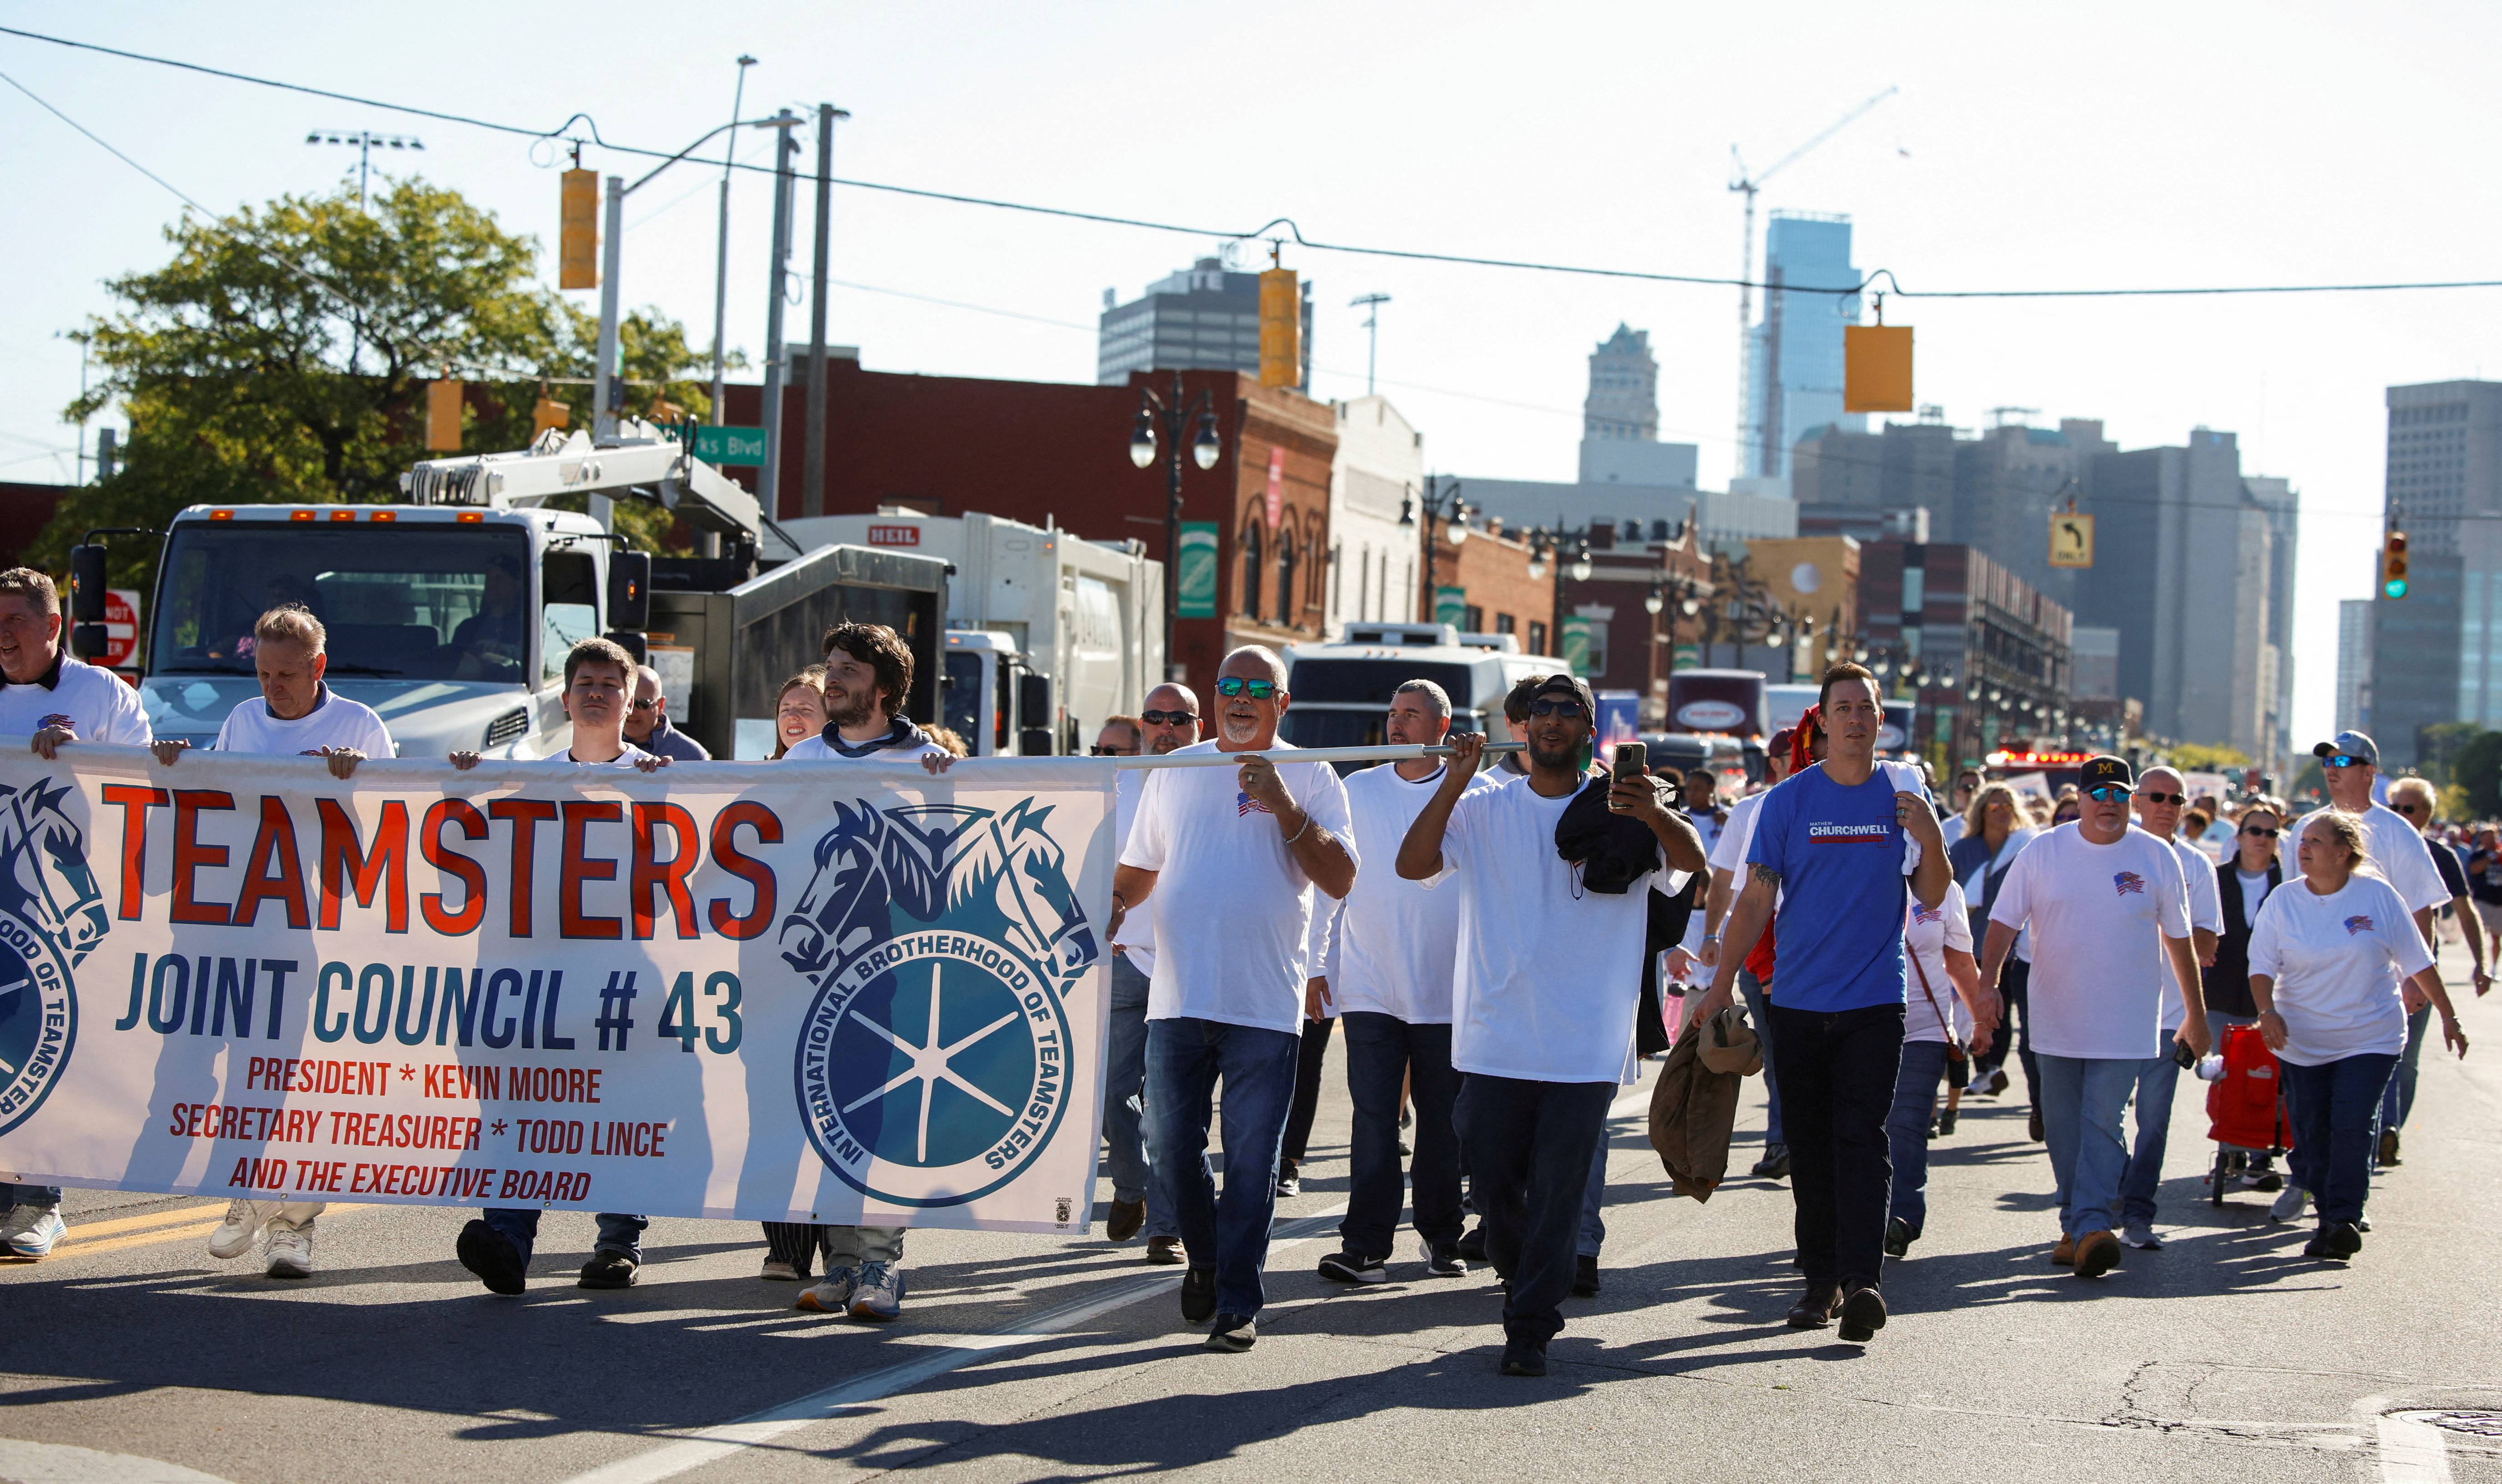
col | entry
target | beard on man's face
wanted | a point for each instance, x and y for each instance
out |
(844, 708)
(1562, 757)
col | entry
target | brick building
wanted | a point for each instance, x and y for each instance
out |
(1956, 612)
(1483, 586)
(1042, 451)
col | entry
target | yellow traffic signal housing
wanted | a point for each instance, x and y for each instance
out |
(1876, 368)
(578, 240)
(443, 415)
(1281, 329)
(2393, 565)
(548, 413)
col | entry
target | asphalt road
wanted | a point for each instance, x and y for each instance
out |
(131, 1355)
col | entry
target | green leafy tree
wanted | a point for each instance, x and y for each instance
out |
(2437, 749)
(2197, 757)
(282, 355)
(2476, 771)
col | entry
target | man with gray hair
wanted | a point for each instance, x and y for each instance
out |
(647, 722)
(1390, 970)
(1228, 860)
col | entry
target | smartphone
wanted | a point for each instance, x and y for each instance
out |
(2181, 1054)
(1633, 761)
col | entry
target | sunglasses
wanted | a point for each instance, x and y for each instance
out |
(1113, 752)
(1257, 689)
(2259, 833)
(1566, 709)
(2408, 808)
(645, 705)
(1167, 718)
(2105, 792)
(2347, 761)
(2152, 797)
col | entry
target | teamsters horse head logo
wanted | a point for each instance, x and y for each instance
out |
(51, 916)
(933, 1063)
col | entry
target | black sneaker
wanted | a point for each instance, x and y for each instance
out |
(1524, 1357)
(608, 1270)
(1863, 1314)
(1445, 1262)
(1585, 1276)
(1472, 1245)
(2342, 1240)
(1233, 1333)
(1775, 1165)
(1946, 1123)
(1289, 1179)
(1197, 1294)
(1353, 1267)
(492, 1256)
(1898, 1237)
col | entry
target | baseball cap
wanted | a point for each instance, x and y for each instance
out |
(2354, 744)
(2105, 769)
(1564, 683)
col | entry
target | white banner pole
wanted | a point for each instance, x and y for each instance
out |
(1387, 753)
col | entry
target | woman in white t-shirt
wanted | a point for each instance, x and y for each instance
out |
(1936, 1028)
(2321, 956)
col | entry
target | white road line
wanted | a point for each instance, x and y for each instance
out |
(700, 1449)
(2413, 1450)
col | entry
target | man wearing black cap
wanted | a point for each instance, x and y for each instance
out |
(1545, 1051)
(1840, 844)
(2109, 908)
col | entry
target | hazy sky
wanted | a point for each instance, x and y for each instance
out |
(2122, 144)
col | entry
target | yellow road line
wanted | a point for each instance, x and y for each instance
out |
(98, 1238)
(93, 1229)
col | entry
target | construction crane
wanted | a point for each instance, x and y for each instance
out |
(1747, 186)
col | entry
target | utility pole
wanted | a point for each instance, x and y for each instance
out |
(721, 256)
(812, 487)
(1370, 304)
(768, 483)
(606, 390)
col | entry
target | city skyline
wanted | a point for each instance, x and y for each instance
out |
(1972, 177)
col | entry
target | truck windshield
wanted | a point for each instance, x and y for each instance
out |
(416, 601)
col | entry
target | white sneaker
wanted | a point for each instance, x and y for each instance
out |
(242, 1228)
(2289, 1203)
(833, 1296)
(30, 1230)
(2141, 1236)
(290, 1249)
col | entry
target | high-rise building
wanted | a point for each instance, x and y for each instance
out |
(1794, 361)
(1623, 404)
(2437, 652)
(1203, 319)
(2354, 664)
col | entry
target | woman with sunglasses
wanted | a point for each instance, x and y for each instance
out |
(2326, 957)
(2244, 882)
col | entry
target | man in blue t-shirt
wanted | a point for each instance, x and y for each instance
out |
(1836, 842)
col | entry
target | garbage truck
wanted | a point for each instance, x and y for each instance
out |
(1048, 633)
(451, 611)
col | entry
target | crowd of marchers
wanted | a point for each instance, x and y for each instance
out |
(1506, 936)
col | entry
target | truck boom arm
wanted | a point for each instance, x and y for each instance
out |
(640, 461)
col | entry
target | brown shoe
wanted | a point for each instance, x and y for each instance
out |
(1164, 1251)
(1127, 1217)
(2388, 1147)
(2065, 1253)
(2033, 1129)
(2097, 1253)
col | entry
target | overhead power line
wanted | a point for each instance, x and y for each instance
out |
(1291, 230)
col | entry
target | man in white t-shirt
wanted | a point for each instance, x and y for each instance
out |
(1548, 975)
(1228, 857)
(55, 700)
(297, 714)
(598, 681)
(1390, 982)
(2350, 763)
(1168, 723)
(2161, 795)
(2110, 916)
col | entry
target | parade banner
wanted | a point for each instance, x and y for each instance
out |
(841, 993)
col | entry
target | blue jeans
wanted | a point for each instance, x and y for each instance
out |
(2158, 1078)
(2083, 1101)
(1907, 1129)
(1124, 1093)
(46, 1197)
(521, 1226)
(1594, 1229)
(2399, 1099)
(1756, 998)
(1383, 1053)
(1529, 1146)
(1186, 1059)
(2332, 1108)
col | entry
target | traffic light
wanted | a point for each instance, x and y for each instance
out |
(2393, 565)
(1281, 325)
(578, 237)
(1876, 368)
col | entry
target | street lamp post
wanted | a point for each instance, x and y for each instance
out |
(1204, 451)
(1440, 504)
(721, 256)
